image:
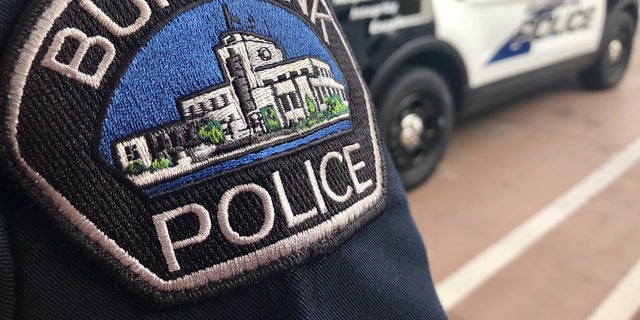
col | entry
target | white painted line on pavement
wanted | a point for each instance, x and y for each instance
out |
(624, 301)
(476, 272)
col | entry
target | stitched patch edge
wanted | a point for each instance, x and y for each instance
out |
(272, 253)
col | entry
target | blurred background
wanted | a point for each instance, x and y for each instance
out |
(534, 212)
(530, 209)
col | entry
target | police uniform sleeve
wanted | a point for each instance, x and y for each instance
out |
(174, 159)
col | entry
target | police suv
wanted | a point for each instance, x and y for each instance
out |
(430, 61)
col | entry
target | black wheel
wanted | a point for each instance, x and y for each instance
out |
(416, 119)
(614, 56)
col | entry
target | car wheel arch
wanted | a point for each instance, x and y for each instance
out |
(428, 52)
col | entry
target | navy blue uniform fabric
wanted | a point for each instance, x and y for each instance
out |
(9, 11)
(7, 282)
(381, 273)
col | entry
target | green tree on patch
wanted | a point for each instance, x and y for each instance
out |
(271, 120)
(312, 121)
(159, 164)
(311, 106)
(135, 168)
(335, 105)
(212, 132)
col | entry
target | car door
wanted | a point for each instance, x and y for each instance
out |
(498, 39)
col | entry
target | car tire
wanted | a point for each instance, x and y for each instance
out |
(416, 120)
(613, 58)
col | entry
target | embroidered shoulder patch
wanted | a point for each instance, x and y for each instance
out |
(194, 146)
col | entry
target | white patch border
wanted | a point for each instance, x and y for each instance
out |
(219, 272)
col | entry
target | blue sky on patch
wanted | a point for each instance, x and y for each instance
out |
(179, 60)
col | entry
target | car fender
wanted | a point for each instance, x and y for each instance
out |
(408, 53)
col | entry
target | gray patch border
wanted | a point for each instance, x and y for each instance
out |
(217, 273)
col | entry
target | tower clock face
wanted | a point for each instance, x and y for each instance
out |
(265, 54)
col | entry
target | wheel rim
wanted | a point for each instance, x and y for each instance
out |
(618, 53)
(614, 51)
(417, 128)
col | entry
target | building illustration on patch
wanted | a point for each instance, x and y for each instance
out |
(266, 99)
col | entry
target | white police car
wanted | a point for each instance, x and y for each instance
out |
(429, 61)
